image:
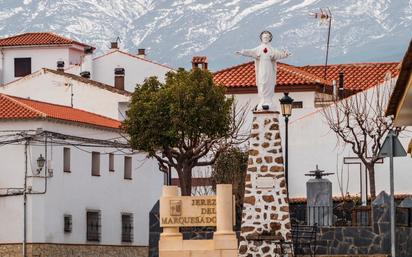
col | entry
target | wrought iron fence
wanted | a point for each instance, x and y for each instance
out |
(361, 216)
(330, 216)
(403, 217)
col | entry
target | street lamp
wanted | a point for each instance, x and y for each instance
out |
(40, 164)
(286, 107)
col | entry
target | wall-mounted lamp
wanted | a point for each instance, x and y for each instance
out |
(40, 164)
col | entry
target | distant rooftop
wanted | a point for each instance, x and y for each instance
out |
(243, 76)
(16, 108)
(357, 76)
(38, 39)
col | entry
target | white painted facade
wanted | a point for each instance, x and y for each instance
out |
(252, 99)
(76, 192)
(137, 69)
(312, 143)
(52, 87)
(41, 57)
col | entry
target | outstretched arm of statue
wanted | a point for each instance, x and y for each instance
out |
(247, 52)
(280, 54)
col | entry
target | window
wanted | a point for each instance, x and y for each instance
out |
(127, 167)
(297, 105)
(66, 159)
(95, 164)
(127, 227)
(22, 67)
(111, 162)
(67, 223)
(93, 226)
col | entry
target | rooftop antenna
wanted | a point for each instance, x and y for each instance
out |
(325, 16)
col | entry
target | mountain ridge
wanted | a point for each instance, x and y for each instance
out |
(173, 31)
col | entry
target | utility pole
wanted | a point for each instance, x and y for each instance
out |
(26, 144)
(391, 147)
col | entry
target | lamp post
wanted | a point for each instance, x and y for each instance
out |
(286, 108)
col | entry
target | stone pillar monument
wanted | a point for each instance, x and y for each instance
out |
(265, 219)
(319, 207)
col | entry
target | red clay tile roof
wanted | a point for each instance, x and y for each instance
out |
(357, 76)
(12, 107)
(243, 75)
(37, 38)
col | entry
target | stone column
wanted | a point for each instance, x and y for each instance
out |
(171, 240)
(173, 232)
(224, 209)
(265, 216)
(224, 238)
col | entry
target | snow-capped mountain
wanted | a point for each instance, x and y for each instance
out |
(174, 30)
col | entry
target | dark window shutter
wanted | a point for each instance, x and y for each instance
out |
(22, 67)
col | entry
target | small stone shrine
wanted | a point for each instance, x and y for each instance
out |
(319, 208)
(265, 229)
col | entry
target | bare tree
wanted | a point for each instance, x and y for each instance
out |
(359, 121)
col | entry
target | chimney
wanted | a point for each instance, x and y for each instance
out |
(87, 63)
(199, 61)
(88, 50)
(341, 85)
(60, 66)
(85, 74)
(141, 52)
(114, 45)
(119, 78)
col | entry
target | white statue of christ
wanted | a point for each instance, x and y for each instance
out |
(265, 69)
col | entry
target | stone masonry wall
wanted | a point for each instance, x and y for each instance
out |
(265, 208)
(69, 250)
(369, 240)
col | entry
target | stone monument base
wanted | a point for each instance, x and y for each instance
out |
(265, 229)
(224, 242)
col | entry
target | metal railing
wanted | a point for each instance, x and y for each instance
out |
(403, 217)
(330, 216)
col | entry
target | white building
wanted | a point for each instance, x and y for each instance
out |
(23, 54)
(95, 185)
(135, 68)
(70, 90)
(71, 101)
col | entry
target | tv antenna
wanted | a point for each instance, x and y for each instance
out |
(325, 16)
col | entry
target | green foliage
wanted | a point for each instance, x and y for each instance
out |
(230, 168)
(180, 113)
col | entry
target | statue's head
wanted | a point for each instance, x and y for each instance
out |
(266, 37)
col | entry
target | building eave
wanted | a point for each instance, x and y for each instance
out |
(402, 87)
